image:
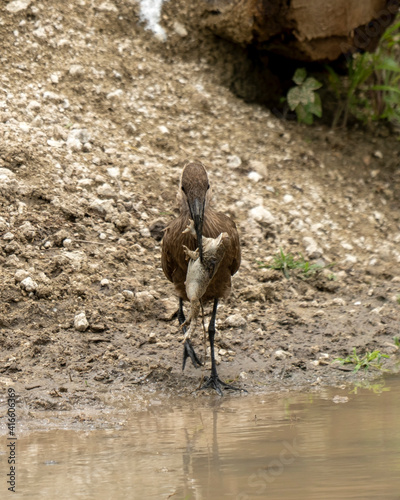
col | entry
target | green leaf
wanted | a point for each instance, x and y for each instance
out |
(388, 64)
(303, 116)
(299, 76)
(388, 88)
(295, 97)
(312, 84)
(315, 107)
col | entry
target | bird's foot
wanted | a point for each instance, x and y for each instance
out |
(217, 384)
(190, 228)
(188, 352)
(190, 254)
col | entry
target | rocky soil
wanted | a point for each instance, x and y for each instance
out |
(96, 117)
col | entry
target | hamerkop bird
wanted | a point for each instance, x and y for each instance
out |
(194, 194)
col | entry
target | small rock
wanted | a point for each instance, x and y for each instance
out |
(59, 237)
(222, 352)
(338, 301)
(80, 322)
(128, 294)
(106, 190)
(29, 285)
(8, 236)
(18, 5)
(52, 96)
(34, 106)
(281, 354)
(340, 399)
(313, 251)
(288, 198)
(235, 320)
(180, 29)
(254, 176)
(163, 129)
(378, 154)
(262, 215)
(74, 144)
(259, 167)
(145, 232)
(20, 275)
(144, 301)
(67, 243)
(104, 282)
(152, 338)
(59, 132)
(77, 137)
(233, 161)
(3, 224)
(114, 172)
(115, 94)
(76, 70)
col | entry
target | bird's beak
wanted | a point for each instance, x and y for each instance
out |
(197, 213)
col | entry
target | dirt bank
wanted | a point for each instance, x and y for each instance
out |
(95, 118)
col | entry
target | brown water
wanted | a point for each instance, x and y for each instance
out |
(290, 446)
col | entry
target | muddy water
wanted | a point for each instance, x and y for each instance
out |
(291, 446)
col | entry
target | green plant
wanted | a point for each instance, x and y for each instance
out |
(369, 359)
(398, 299)
(303, 97)
(284, 262)
(370, 91)
(396, 341)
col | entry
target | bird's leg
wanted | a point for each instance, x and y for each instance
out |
(188, 351)
(214, 381)
(190, 254)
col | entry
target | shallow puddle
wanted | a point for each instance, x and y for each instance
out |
(287, 446)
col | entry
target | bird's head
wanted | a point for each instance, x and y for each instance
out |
(194, 188)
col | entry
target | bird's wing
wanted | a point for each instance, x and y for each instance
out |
(167, 262)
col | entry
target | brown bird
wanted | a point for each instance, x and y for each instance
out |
(194, 194)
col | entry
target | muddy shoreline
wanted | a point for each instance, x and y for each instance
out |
(96, 117)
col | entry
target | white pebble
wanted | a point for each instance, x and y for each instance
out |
(254, 176)
(288, 198)
(261, 214)
(163, 129)
(234, 161)
(128, 294)
(28, 284)
(18, 5)
(235, 320)
(20, 275)
(80, 322)
(67, 243)
(180, 29)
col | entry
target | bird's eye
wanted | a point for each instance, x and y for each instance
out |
(208, 186)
